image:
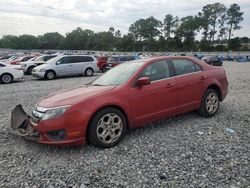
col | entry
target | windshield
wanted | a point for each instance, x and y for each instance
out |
(54, 59)
(118, 75)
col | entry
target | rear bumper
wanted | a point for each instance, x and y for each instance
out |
(22, 126)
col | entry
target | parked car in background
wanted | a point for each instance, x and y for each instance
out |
(116, 60)
(67, 65)
(213, 60)
(21, 59)
(102, 62)
(36, 61)
(125, 97)
(8, 73)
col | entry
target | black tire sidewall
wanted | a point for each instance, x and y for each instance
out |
(29, 70)
(203, 110)
(92, 136)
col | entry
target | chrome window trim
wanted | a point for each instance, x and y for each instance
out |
(176, 76)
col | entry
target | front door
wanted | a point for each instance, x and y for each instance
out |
(156, 100)
(64, 66)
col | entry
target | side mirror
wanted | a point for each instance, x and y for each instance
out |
(143, 81)
(58, 63)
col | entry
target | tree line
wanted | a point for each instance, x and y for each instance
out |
(215, 23)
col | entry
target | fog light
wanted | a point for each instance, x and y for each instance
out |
(57, 134)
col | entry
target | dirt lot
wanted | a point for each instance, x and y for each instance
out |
(184, 151)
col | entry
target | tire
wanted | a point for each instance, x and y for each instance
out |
(102, 131)
(29, 70)
(50, 75)
(6, 78)
(89, 72)
(210, 103)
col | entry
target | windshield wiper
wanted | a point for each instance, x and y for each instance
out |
(96, 85)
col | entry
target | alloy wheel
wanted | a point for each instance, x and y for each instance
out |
(212, 103)
(6, 78)
(109, 128)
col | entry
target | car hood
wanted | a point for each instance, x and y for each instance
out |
(72, 96)
(43, 66)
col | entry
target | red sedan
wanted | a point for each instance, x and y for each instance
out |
(125, 97)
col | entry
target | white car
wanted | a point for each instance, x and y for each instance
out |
(32, 63)
(8, 72)
(67, 65)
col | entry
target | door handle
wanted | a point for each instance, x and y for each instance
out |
(203, 77)
(70, 65)
(170, 85)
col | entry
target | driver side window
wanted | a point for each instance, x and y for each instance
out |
(156, 71)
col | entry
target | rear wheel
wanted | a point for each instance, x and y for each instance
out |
(107, 128)
(50, 75)
(210, 103)
(89, 72)
(6, 78)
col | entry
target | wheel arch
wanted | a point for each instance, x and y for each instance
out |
(7, 73)
(217, 89)
(51, 70)
(103, 107)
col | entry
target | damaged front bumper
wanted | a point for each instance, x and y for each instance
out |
(21, 124)
(52, 132)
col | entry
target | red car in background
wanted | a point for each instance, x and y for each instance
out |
(102, 62)
(127, 96)
(21, 59)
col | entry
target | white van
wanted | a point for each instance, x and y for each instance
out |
(67, 65)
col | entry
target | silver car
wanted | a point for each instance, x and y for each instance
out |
(67, 65)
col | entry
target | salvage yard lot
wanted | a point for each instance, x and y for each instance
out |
(184, 151)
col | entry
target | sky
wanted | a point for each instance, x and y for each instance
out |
(37, 17)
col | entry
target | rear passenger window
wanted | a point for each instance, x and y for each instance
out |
(123, 59)
(183, 66)
(197, 67)
(156, 71)
(86, 59)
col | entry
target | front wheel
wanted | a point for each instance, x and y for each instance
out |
(50, 75)
(210, 103)
(107, 128)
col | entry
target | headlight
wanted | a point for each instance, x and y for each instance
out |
(53, 113)
(42, 70)
(48, 113)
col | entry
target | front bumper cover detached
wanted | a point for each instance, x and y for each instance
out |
(21, 125)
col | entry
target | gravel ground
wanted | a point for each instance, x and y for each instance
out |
(184, 151)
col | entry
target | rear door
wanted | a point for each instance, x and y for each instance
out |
(189, 84)
(156, 100)
(81, 63)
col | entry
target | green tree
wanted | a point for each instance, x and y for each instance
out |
(170, 23)
(234, 44)
(186, 32)
(27, 42)
(50, 41)
(211, 15)
(234, 17)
